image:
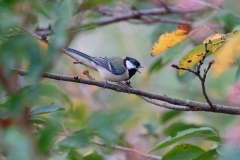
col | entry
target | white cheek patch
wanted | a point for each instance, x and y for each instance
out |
(129, 65)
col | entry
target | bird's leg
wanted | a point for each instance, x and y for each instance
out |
(105, 84)
(128, 83)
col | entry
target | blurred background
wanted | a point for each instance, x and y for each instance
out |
(78, 115)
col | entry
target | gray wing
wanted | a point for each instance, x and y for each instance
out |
(110, 64)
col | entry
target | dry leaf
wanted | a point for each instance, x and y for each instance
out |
(215, 41)
(216, 37)
(226, 55)
(168, 40)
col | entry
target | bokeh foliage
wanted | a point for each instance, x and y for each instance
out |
(45, 119)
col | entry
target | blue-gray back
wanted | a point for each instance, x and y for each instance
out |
(112, 64)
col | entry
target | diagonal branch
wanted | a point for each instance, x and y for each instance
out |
(129, 150)
(193, 106)
(131, 14)
(165, 104)
(203, 77)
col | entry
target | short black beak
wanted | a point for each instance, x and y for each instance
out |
(138, 70)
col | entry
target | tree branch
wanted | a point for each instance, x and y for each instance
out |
(197, 72)
(137, 14)
(192, 105)
(129, 150)
(131, 14)
(66, 133)
(165, 104)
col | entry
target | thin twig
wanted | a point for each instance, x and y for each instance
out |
(136, 14)
(204, 3)
(126, 149)
(66, 133)
(208, 68)
(193, 106)
(197, 72)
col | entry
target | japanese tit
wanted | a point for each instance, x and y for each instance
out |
(115, 69)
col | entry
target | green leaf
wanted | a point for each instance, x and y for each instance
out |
(183, 135)
(18, 144)
(214, 138)
(93, 156)
(169, 115)
(191, 58)
(173, 129)
(79, 139)
(73, 155)
(150, 128)
(89, 4)
(230, 21)
(45, 109)
(46, 137)
(183, 152)
(157, 65)
(36, 119)
(209, 155)
(237, 77)
(103, 124)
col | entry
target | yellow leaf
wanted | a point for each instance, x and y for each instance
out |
(215, 41)
(213, 38)
(191, 58)
(43, 46)
(168, 40)
(226, 55)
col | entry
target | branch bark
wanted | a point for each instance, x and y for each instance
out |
(136, 14)
(129, 150)
(131, 14)
(167, 101)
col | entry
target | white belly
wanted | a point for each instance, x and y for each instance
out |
(112, 77)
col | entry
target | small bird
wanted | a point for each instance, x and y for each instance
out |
(115, 69)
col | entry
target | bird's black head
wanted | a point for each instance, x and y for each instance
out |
(132, 65)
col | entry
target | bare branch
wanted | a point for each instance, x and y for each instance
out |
(136, 14)
(197, 72)
(165, 104)
(206, 70)
(128, 15)
(66, 133)
(193, 106)
(129, 150)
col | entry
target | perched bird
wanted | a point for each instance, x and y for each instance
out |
(115, 69)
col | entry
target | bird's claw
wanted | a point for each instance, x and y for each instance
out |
(86, 72)
(76, 78)
(77, 62)
(128, 83)
(125, 85)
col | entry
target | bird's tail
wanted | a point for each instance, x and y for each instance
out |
(79, 53)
